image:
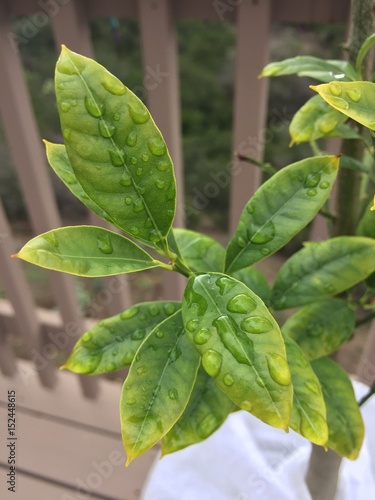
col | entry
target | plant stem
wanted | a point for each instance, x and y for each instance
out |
(367, 396)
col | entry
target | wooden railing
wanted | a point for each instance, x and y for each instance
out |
(44, 333)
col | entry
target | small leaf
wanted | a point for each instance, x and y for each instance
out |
(59, 161)
(322, 270)
(353, 164)
(206, 411)
(86, 251)
(314, 120)
(279, 209)
(112, 343)
(344, 131)
(313, 67)
(345, 424)
(200, 252)
(158, 386)
(321, 328)
(354, 99)
(309, 410)
(240, 344)
(255, 280)
(366, 226)
(116, 151)
(365, 47)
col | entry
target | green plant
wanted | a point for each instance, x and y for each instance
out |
(220, 349)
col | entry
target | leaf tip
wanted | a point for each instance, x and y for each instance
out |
(373, 206)
(314, 87)
(15, 256)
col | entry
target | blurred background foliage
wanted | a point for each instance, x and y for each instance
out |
(207, 59)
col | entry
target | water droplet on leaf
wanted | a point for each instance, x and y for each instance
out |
(131, 140)
(339, 103)
(104, 244)
(262, 235)
(354, 94)
(106, 129)
(211, 361)
(228, 380)
(279, 369)
(129, 313)
(225, 285)
(242, 304)
(202, 336)
(312, 180)
(256, 325)
(192, 325)
(141, 370)
(335, 89)
(173, 394)
(138, 113)
(113, 85)
(312, 192)
(157, 146)
(94, 108)
(117, 158)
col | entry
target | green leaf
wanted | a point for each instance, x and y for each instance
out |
(59, 161)
(117, 153)
(353, 164)
(313, 67)
(200, 252)
(313, 120)
(365, 47)
(344, 131)
(345, 424)
(240, 344)
(309, 410)
(321, 328)
(366, 226)
(255, 280)
(354, 99)
(279, 209)
(322, 270)
(158, 387)
(111, 344)
(86, 251)
(206, 411)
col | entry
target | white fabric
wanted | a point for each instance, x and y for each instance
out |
(248, 460)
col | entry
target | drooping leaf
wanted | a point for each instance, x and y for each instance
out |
(86, 251)
(313, 67)
(59, 161)
(309, 411)
(313, 120)
(255, 280)
(354, 99)
(322, 270)
(116, 151)
(112, 343)
(345, 424)
(200, 252)
(279, 209)
(240, 344)
(365, 47)
(158, 386)
(321, 328)
(206, 411)
(366, 226)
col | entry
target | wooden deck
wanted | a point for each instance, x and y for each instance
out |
(68, 447)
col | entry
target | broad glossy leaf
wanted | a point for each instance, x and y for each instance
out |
(206, 411)
(117, 153)
(354, 99)
(158, 386)
(59, 161)
(366, 226)
(309, 410)
(345, 424)
(322, 270)
(240, 344)
(200, 252)
(255, 280)
(313, 67)
(321, 328)
(86, 251)
(313, 120)
(279, 209)
(112, 343)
